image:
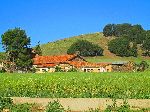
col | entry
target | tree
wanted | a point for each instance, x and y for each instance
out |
(85, 48)
(108, 30)
(146, 44)
(122, 47)
(16, 44)
(117, 30)
(137, 34)
(38, 49)
(121, 30)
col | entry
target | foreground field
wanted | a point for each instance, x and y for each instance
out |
(76, 85)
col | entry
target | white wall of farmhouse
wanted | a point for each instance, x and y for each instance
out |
(92, 69)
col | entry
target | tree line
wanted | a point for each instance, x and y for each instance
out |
(127, 38)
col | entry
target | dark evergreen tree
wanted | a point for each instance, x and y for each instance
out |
(38, 49)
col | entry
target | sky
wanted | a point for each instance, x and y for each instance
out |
(51, 20)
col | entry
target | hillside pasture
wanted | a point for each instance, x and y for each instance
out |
(117, 59)
(60, 47)
(77, 85)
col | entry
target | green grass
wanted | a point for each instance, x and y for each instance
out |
(114, 59)
(61, 46)
(77, 85)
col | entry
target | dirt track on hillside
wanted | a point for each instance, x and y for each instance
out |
(82, 104)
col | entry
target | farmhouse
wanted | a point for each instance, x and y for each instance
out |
(68, 62)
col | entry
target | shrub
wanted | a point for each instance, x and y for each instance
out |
(114, 108)
(143, 66)
(73, 70)
(21, 108)
(5, 103)
(58, 69)
(2, 70)
(55, 106)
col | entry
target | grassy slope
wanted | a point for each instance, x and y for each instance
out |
(61, 46)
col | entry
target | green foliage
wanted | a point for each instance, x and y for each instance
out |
(73, 85)
(146, 44)
(121, 47)
(38, 49)
(60, 47)
(24, 61)
(2, 56)
(136, 34)
(132, 33)
(55, 106)
(108, 30)
(2, 70)
(117, 30)
(123, 108)
(58, 69)
(143, 66)
(85, 48)
(73, 70)
(21, 108)
(5, 103)
(16, 43)
(122, 29)
(93, 110)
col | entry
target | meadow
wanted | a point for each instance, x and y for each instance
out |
(76, 85)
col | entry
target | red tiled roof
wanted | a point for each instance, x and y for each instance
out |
(87, 64)
(52, 59)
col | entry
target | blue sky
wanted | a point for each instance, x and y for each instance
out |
(50, 20)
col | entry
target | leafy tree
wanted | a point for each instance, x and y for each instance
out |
(122, 29)
(137, 34)
(85, 48)
(38, 49)
(108, 30)
(24, 61)
(16, 43)
(117, 30)
(146, 44)
(122, 47)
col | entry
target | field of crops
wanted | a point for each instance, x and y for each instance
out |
(77, 85)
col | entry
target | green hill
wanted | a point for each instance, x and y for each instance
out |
(61, 46)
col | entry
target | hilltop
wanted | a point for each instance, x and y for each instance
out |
(60, 47)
